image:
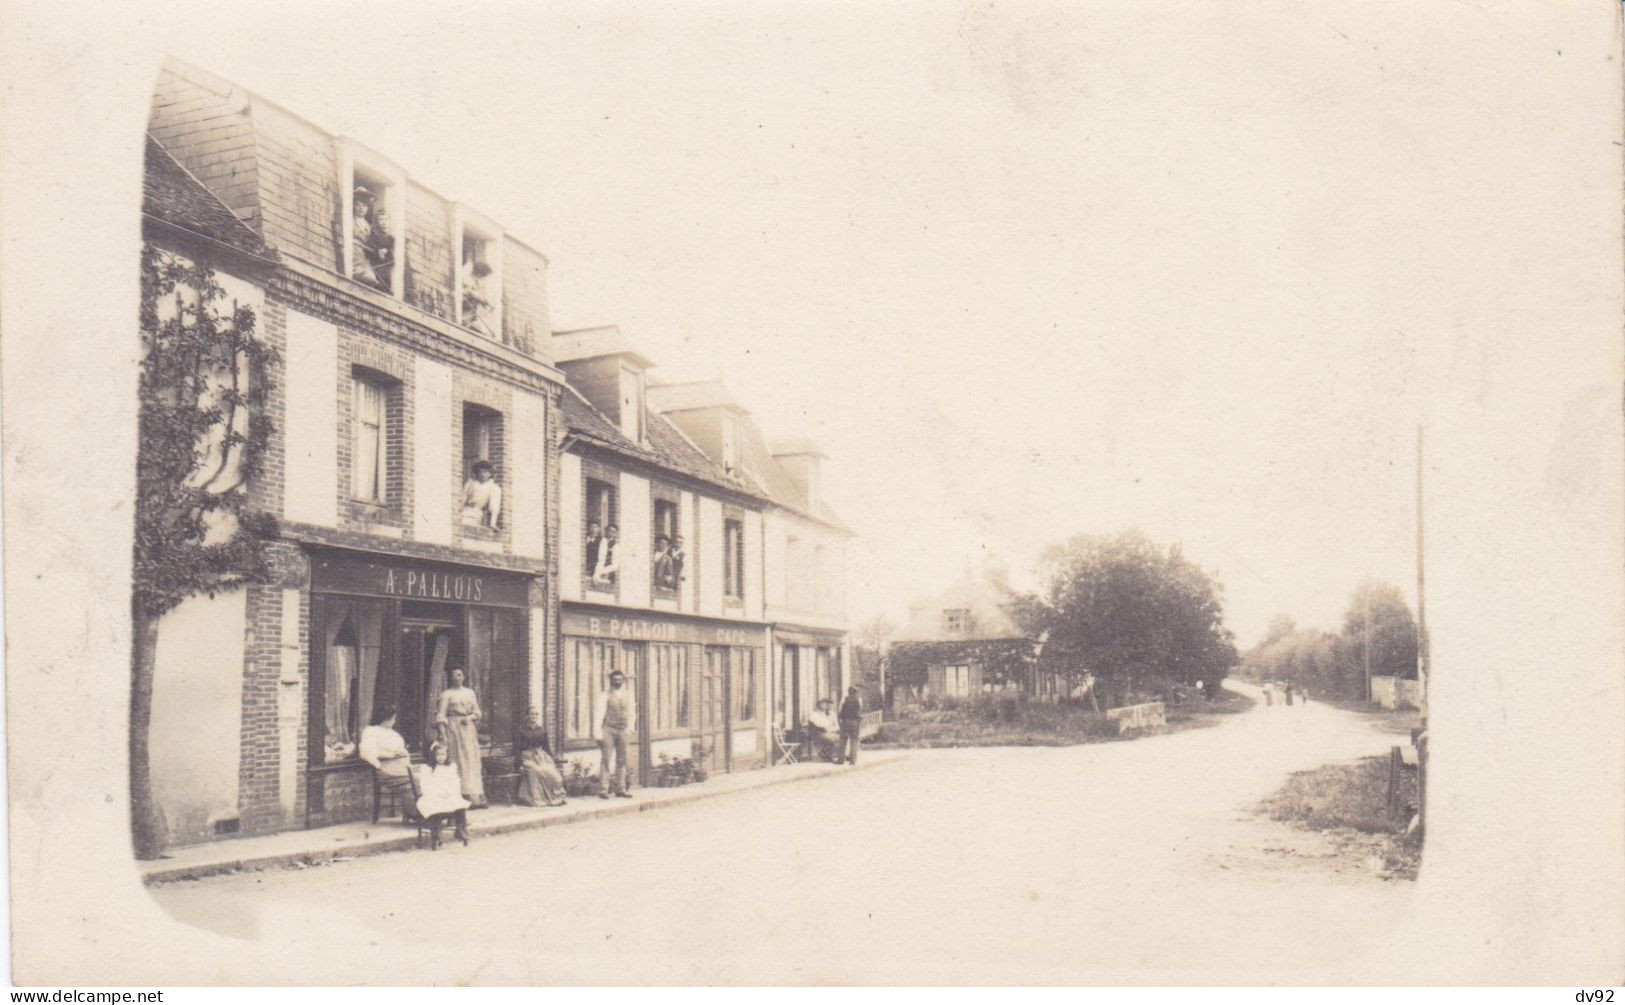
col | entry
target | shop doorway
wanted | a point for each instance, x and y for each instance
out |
(634, 664)
(431, 644)
(714, 728)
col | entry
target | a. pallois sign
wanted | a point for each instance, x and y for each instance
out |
(413, 580)
(634, 628)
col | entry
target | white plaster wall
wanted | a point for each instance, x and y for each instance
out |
(197, 700)
(710, 556)
(311, 423)
(635, 531)
(753, 565)
(570, 527)
(686, 596)
(682, 746)
(775, 537)
(744, 743)
(432, 465)
(527, 475)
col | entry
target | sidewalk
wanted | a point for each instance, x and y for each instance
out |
(353, 840)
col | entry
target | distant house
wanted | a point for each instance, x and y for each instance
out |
(963, 641)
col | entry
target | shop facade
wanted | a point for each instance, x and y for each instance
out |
(697, 684)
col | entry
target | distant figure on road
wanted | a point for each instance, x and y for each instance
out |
(851, 722)
(822, 730)
(1289, 695)
(614, 717)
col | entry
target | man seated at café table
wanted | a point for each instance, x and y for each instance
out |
(822, 729)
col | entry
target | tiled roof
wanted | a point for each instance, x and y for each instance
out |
(171, 195)
(694, 394)
(667, 448)
(780, 487)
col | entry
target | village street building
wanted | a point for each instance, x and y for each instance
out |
(660, 572)
(804, 543)
(413, 335)
(963, 641)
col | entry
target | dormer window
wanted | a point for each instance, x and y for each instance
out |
(955, 622)
(478, 293)
(730, 445)
(632, 405)
(372, 232)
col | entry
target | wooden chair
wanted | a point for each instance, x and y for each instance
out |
(394, 788)
(784, 750)
(427, 826)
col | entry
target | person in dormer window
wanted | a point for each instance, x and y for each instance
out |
(676, 560)
(605, 566)
(476, 298)
(380, 250)
(665, 571)
(361, 228)
(482, 497)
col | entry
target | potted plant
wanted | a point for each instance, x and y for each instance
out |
(699, 761)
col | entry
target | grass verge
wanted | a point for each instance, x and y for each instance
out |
(1008, 721)
(1349, 803)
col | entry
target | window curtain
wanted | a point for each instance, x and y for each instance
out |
(437, 680)
(367, 456)
(369, 621)
(340, 659)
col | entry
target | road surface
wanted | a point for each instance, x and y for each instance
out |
(1129, 862)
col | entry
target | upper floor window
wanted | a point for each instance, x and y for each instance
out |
(955, 622)
(668, 546)
(733, 559)
(730, 445)
(632, 409)
(602, 542)
(369, 447)
(482, 464)
(478, 293)
(372, 231)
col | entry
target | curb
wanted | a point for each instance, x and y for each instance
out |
(404, 842)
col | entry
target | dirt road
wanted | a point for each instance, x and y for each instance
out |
(1136, 862)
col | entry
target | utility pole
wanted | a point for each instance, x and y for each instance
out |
(1420, 736)
(1366, 590)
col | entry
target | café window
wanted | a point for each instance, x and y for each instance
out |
(667, 570)
(482, 467)
(955, 621)
(668, 686)
(600, 552)
(742, 684)
(369, 439)
(372, 235)
(478, 293)
(733, 558)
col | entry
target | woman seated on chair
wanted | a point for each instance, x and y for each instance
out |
(540, 783)
(383, 748)
(441, 791)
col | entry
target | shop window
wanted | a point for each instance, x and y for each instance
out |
(355, 681)
(370, 441)
(632, 407)
(733, 557)
(482, 466)
(603, 536)
(587, 666)
(784, 699)
(496, 663)
(956, 621)
(668, 686)
(667, 567)
(478, 295)
(956, 681)
(742, 682)
(823, 685)
(372, 216)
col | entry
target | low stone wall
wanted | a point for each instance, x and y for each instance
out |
(1143, 716)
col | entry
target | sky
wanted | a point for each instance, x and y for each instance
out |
(1023, 271)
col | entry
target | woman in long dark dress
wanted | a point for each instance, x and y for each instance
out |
(540, 783)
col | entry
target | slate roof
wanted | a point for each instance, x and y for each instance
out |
(590, 343)
(779, 486)
(171, 195)
(667, 447)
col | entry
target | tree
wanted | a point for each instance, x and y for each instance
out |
(1137, 617)
(1393, 630)
(869, 657)
(874, 633)
(202, 386)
